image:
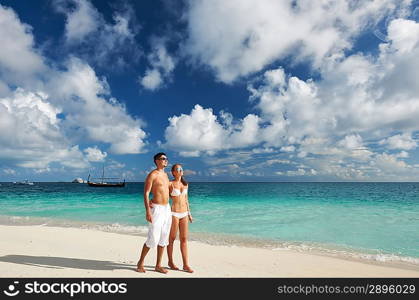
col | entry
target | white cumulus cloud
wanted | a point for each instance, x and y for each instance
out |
(9, 171)
(201, 130)
(31, 135)
(400, 141)
(82, 19)
(88, 34)
(240, 37)
(352, 102)
(19, 60)
(161, 67)
(95, 154)
(90, 114)
(45, 112)
(152, 79)
(335, 122)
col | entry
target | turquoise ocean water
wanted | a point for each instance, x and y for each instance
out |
(378, 221)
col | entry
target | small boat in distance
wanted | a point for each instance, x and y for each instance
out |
(24, 182)
(79, 180)
(102, 183)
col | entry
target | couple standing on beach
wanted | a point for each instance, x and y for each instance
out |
(164, 220)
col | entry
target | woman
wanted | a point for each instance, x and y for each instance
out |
(178, 189)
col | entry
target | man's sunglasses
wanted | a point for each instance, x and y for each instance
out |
(162, 158)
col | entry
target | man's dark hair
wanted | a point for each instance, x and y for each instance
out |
(158, 155)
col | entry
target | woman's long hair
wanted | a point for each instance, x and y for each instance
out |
(182, 179)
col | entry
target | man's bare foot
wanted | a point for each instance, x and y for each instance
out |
(187, 269)
(160, 269)
(172, 266)
(140, 269)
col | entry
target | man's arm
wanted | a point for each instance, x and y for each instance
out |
(147, 189)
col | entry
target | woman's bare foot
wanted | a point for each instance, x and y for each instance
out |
(140, 269)
(160, 269)
(173, 266)
(187, 269)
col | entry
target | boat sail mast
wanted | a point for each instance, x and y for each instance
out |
(103, 183)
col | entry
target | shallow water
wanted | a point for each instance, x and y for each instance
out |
(377, 221)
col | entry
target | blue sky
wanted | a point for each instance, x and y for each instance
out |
(235, 91)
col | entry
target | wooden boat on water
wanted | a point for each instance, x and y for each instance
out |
(102, 183)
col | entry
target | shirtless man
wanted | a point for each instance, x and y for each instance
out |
(159, 215)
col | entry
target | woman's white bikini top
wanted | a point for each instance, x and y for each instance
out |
(176, 192)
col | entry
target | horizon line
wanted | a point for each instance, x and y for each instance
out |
(242, 182)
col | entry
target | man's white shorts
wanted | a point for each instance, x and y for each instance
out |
(159, 229)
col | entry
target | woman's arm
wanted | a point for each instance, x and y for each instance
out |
(187, 205)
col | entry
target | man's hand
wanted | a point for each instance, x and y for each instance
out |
(148, 217)
(150, 204)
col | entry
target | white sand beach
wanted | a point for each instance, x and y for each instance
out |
(42, 251)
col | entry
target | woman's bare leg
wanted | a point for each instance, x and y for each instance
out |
(172, 238)
(183, 237)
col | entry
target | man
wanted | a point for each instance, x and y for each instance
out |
(159, 216)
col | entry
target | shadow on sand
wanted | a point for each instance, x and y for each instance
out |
(62, 262)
